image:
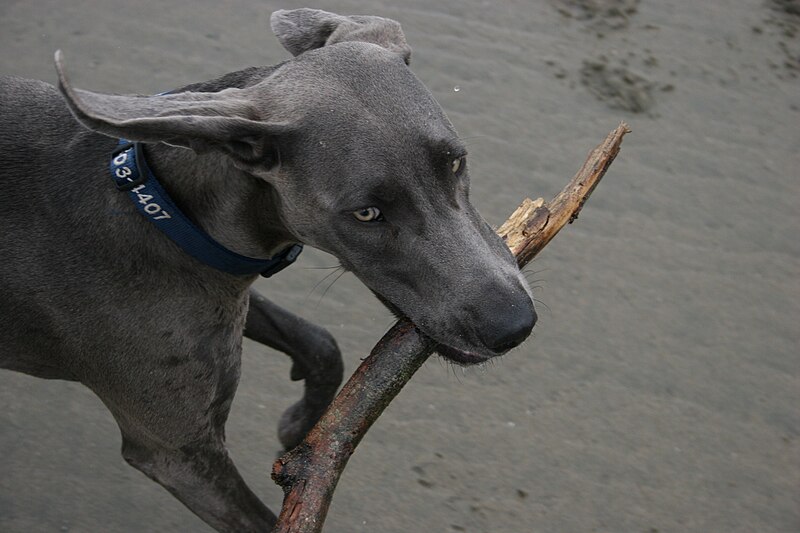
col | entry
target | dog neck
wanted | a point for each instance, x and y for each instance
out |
(239, 211)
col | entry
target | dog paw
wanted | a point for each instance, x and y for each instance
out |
(295, 423)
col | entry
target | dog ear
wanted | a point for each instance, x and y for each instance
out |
(301, 30)
(223, 120)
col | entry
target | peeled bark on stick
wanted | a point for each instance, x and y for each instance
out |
(309, 473)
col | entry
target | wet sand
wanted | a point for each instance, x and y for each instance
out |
(661, 390)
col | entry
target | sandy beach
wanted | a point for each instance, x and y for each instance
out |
(660, 392)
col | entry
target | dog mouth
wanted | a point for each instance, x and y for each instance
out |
(453, 355)
(461, 357)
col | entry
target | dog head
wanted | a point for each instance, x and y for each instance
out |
(366, 166)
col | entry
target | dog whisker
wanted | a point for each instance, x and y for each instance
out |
(328, 275)
(547, 307)
(342, 273)
(470, 140)
(323, 268)
(530, 271)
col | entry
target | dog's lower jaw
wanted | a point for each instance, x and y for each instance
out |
(453, 355)
(460, 357)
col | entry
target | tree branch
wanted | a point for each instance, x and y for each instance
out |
(309, 473)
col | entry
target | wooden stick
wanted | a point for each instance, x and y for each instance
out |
(309, 473)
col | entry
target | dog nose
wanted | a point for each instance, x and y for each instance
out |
(510, 325)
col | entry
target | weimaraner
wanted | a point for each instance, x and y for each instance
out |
(134, 226)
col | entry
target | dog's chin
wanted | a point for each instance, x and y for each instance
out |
(461, 357)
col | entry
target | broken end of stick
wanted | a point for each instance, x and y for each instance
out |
(526, 221)
(536, 222)
(289, 467)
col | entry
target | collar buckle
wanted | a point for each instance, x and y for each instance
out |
(283, 260)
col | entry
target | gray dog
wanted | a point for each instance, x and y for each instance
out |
(127, 264)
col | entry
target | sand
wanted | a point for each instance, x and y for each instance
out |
(661, 391)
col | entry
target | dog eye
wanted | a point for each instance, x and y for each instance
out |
(457, 166)
(368, 214)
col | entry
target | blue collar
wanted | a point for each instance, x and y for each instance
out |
(131, 173)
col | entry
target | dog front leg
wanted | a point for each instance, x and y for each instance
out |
(315, 358)
(204, 479)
